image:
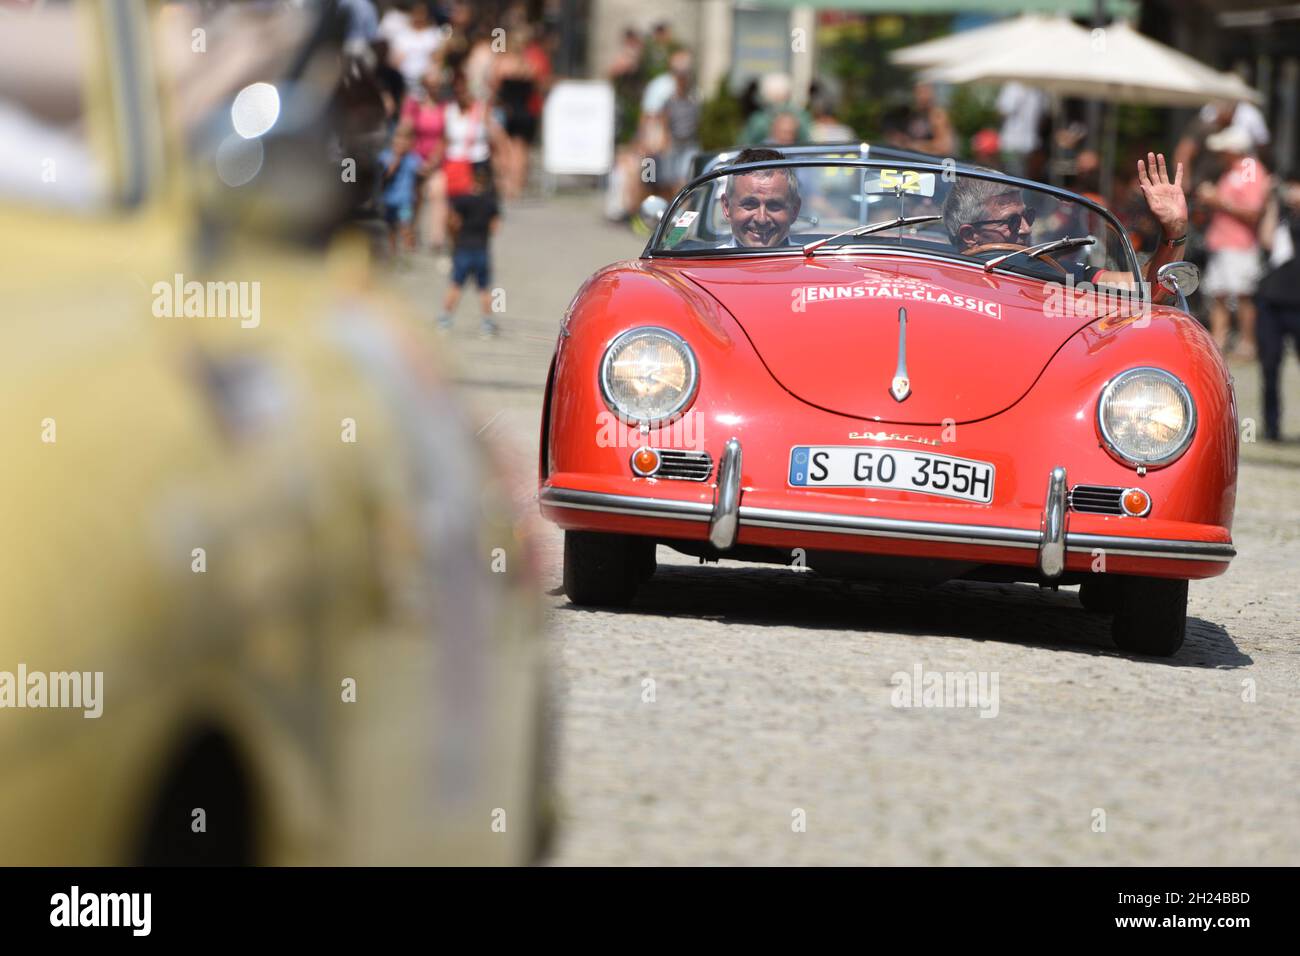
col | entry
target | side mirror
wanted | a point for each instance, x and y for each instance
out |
(652, 210)
(1180, 278)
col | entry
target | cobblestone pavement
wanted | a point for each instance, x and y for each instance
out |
(772, 688)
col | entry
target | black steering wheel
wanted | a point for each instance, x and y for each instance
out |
(1013, 247)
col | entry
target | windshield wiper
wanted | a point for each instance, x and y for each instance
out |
(1068, 242)
(865, 230)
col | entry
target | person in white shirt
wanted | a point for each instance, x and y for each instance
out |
(472, 135)
(1022, 109)
(395, 20)
(1246, 116)
(413, 48)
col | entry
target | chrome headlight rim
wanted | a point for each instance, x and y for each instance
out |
(688, 395)
(1108, 441)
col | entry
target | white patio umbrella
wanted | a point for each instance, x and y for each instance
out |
(1116, 64)
(1006, 34)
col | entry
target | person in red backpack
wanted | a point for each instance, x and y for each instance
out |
(471, 131)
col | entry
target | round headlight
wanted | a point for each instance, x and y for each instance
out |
(1146, 417)
(648, 375)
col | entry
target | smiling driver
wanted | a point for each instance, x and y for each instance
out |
(760, 206)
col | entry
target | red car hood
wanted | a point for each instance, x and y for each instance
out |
(827, 329)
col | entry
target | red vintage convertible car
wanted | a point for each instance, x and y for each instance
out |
(828, 361)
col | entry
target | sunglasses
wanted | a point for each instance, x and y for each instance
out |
(1012, 222)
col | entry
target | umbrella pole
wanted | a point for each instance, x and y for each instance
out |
(1106, 180)
(1053, 151)
(1096, 135)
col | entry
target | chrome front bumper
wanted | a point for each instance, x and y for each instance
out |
(726, 516)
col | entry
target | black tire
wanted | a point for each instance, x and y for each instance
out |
(604, 570)
(1099, 594)
(644, 555)
(1150, 615)
(210, 775)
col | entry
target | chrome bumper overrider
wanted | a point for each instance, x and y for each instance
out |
(1051, 549)
(727, 515)
(724, 523)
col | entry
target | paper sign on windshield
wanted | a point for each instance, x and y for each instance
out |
(892, 181)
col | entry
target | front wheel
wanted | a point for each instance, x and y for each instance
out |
(605, 570)
(1099, 594)
(1150, 615)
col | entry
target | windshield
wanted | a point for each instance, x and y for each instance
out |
(823, 208)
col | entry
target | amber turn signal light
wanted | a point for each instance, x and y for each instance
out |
(645, 462)
(1135, 502)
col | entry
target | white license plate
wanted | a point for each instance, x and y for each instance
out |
(856, 466)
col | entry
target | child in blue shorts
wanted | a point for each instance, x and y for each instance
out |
(475, 216)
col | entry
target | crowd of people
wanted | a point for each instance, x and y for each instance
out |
(1249, 222)
(656, 118)
(461, 101)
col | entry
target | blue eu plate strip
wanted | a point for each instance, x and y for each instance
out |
(799, 465)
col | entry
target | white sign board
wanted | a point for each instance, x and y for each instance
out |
(578, 128)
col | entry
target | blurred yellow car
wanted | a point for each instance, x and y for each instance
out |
(262, 596)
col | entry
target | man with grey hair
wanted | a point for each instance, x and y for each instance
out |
(762, 205)
(972, 209)
(985, 215)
